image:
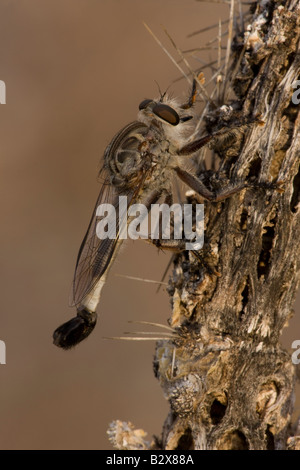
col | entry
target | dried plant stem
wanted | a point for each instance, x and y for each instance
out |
(229, 383)
(232, 385)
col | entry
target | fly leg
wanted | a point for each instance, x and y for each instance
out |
(171, 245)
(179, 245)
(194, 183)
(192, 98)
(216, 196)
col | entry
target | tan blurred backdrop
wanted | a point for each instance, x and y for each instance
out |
(75, 72)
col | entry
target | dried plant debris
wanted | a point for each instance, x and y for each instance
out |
(123, 436)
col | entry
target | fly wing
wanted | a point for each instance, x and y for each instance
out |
(94, 253)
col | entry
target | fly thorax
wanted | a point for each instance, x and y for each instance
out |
(125, 168)
(126, 159)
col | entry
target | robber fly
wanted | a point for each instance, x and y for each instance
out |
(139, 163)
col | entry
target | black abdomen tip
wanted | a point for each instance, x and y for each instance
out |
(74, 331)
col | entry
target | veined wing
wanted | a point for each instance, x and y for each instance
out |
(94, 254)
(93, 259)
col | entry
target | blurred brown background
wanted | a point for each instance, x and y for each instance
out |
(75, 72)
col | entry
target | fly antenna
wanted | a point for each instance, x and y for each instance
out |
(160, 92)
(162, 95)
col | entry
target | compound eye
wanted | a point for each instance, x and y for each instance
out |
(144, 104)
(166, 113)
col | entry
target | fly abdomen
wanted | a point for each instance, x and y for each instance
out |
(74, 331)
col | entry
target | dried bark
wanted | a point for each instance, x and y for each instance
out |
(231, 385)
(229, 382)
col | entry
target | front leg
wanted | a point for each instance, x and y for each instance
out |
(174, 245)
(178, 246)
(216, 196)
